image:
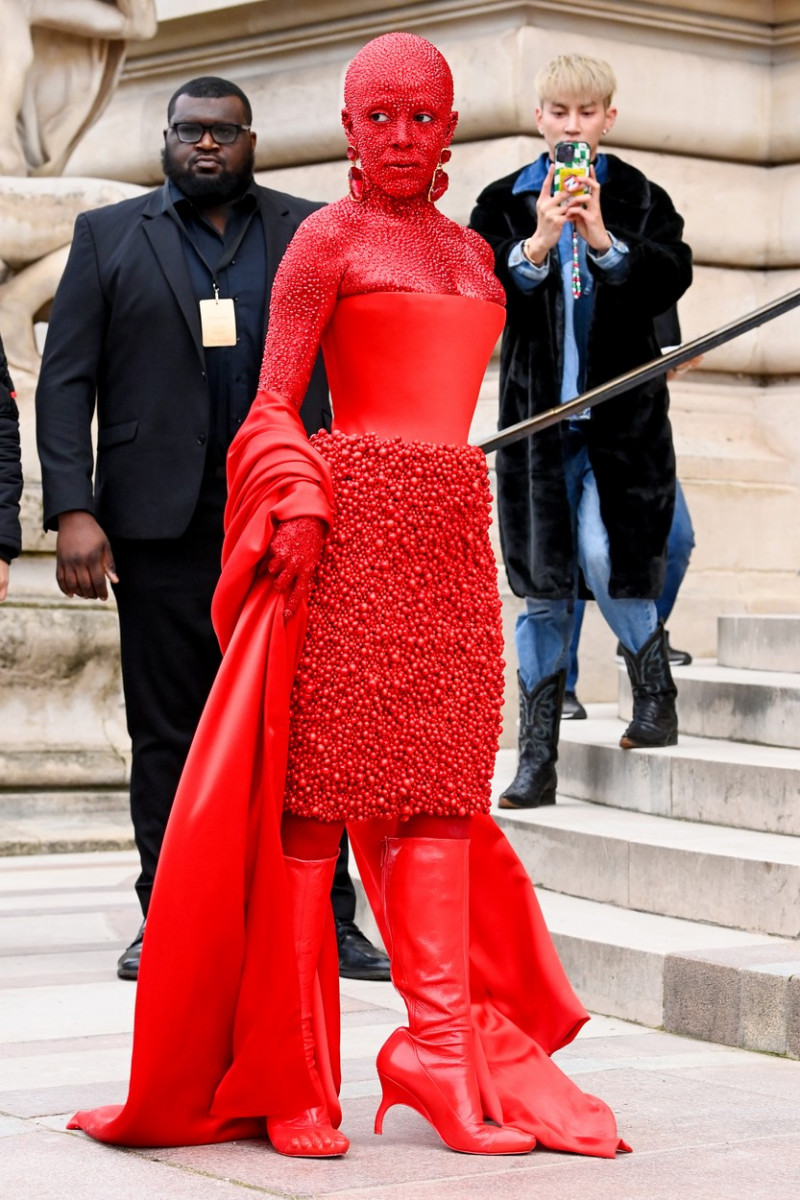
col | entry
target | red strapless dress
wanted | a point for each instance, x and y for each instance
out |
(397, 698)
(217, 1043)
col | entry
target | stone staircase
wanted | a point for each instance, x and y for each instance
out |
(671, 878)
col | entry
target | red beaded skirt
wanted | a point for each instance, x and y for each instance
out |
(396, 701)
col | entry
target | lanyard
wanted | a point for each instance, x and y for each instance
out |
(228, 254)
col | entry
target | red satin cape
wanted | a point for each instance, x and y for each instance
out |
(217, 1044)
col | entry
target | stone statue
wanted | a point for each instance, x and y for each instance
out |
(59, 62)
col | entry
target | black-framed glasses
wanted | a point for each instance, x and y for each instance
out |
(224, 133)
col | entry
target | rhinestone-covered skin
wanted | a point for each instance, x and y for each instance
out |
(394, 239)
(396, 704)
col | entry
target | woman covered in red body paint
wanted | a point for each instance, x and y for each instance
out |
(362, 683)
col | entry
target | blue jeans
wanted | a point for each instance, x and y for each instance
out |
(544, 631)
(679, 550)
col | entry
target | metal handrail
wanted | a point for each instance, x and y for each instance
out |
(658, 366)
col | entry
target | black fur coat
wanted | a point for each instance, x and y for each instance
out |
(629, 438)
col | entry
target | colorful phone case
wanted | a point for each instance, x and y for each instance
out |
(572, 167)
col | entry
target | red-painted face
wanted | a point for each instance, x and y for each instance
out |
(398, 114)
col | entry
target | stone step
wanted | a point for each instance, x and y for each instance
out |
(759, 642)
(701, 779)
(721, 985)
(730, 877)
(726, 702)
(62, 802)
(45, 768)
(66, 832)
(64, 820)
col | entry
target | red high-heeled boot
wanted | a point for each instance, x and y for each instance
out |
(309, 1134)
(430, 1066)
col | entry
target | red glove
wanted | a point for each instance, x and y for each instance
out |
(292, 557)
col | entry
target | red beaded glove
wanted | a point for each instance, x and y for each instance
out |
(292, 557)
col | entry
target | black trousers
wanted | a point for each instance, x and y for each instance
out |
(170, 656)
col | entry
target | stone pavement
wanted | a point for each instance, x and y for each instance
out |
(706, 1122)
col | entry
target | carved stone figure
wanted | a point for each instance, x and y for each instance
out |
(59, 61)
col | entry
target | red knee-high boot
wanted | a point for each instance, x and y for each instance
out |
(309, 1134)
(430, 1066)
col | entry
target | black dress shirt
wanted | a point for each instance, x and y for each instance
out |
(232, 371)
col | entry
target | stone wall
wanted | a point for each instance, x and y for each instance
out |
(707, 97)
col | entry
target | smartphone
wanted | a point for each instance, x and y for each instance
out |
(572, 160)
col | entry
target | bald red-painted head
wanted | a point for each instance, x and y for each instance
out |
(398, 113)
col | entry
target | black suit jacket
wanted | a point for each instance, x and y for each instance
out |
(10, 469)
(125, 337)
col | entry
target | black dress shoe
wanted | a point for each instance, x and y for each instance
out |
(677, 658)
(571, 708)
(128, 961)
(358, 958)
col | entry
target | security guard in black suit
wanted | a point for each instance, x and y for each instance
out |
(159, 322)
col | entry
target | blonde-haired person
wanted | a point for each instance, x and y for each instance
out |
(10, 474)
(577, 76)
(585, 277)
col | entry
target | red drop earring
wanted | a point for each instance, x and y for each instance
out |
(440, 181)
(355, 176)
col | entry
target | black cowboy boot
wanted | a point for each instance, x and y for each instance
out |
(539, 718)
(655, 721)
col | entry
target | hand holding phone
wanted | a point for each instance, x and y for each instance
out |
(576, 189)
(570, 193)
(572, 163)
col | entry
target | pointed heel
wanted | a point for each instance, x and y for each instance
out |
(395, 1093)
(430, 1065)
(432, 1089)
(383, 1108)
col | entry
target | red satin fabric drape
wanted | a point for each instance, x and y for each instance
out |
(217, 1042)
